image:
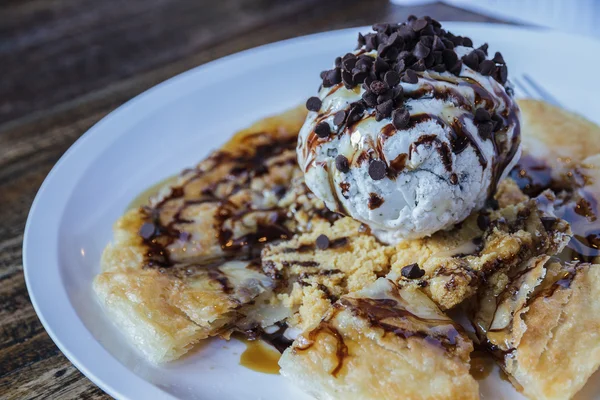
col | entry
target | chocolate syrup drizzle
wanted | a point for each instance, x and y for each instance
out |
(575, 204)
(272, 224)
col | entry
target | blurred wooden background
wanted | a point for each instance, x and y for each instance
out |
(65, 64)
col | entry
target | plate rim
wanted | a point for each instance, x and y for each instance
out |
(141, 100)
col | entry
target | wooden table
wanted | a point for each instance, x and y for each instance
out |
(65, 64)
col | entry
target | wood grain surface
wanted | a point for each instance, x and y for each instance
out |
(65, 64)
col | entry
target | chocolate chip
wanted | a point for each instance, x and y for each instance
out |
(391, 54)
(339, 118)
(457, 40)
(332, 77)
(347, 79)
(378, 87)
(548, 222)
(412, 271)
(439, 68)
(448, 43)
(370, 98)
(322, 129)
(361, 40)
(313, 104)
(398, 93)
(498, 59)
(482, 115)
(419, 24)
(483, 221)
(421, 51)
(484, 48)
(419, 66)
(485, 129)
(502, 74)
(385, 96)
(450, 58)
(438, 44)
(487, 67)
(410, 76)
(428, 31)
(396, 40)
(480, 55)
(147, 230)
(400, 118)
(471, 60)
(427, 41)
(391, 78)
(322, 242)
(370, 41)
(377, 170)
(380, 66)
(279, 190)
(384, 110)
(429, 60)
(341, 163)
(467, 42)
(400, 66)
(349, 61)
(381, 27)
(358, 76)
(456, 68)
(355, 113)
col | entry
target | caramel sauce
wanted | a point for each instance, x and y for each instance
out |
(260, 357)
(143, 198)
(482, 365)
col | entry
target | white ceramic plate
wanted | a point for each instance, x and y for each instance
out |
(176, 124)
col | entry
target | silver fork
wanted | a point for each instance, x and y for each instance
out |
(525, 86)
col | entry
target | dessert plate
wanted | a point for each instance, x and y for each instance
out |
(175, 125)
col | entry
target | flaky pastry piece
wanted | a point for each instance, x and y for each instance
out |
(321, 265)
(383, 342)
(491, 242)
(554, 134)
(184, 267)
(544, 326)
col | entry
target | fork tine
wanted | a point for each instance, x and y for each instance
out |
(541, 91)
(522, 88)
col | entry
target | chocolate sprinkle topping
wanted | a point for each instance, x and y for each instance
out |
(147, 230)
(341, 163)
(322, 242)
(412, 271)
(322, 129)
(377, 170)
(339, 118)
(313, 104)
(400, 118)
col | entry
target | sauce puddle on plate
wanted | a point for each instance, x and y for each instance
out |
(143, 198)
(260, 357)
(482, 364)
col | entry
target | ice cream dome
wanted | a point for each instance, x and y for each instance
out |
(411, 132)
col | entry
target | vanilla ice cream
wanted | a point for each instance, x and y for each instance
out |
(411, 132)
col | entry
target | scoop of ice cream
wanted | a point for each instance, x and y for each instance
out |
(411, 132)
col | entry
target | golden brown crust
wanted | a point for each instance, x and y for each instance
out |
(549, 132)
(383, 343)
